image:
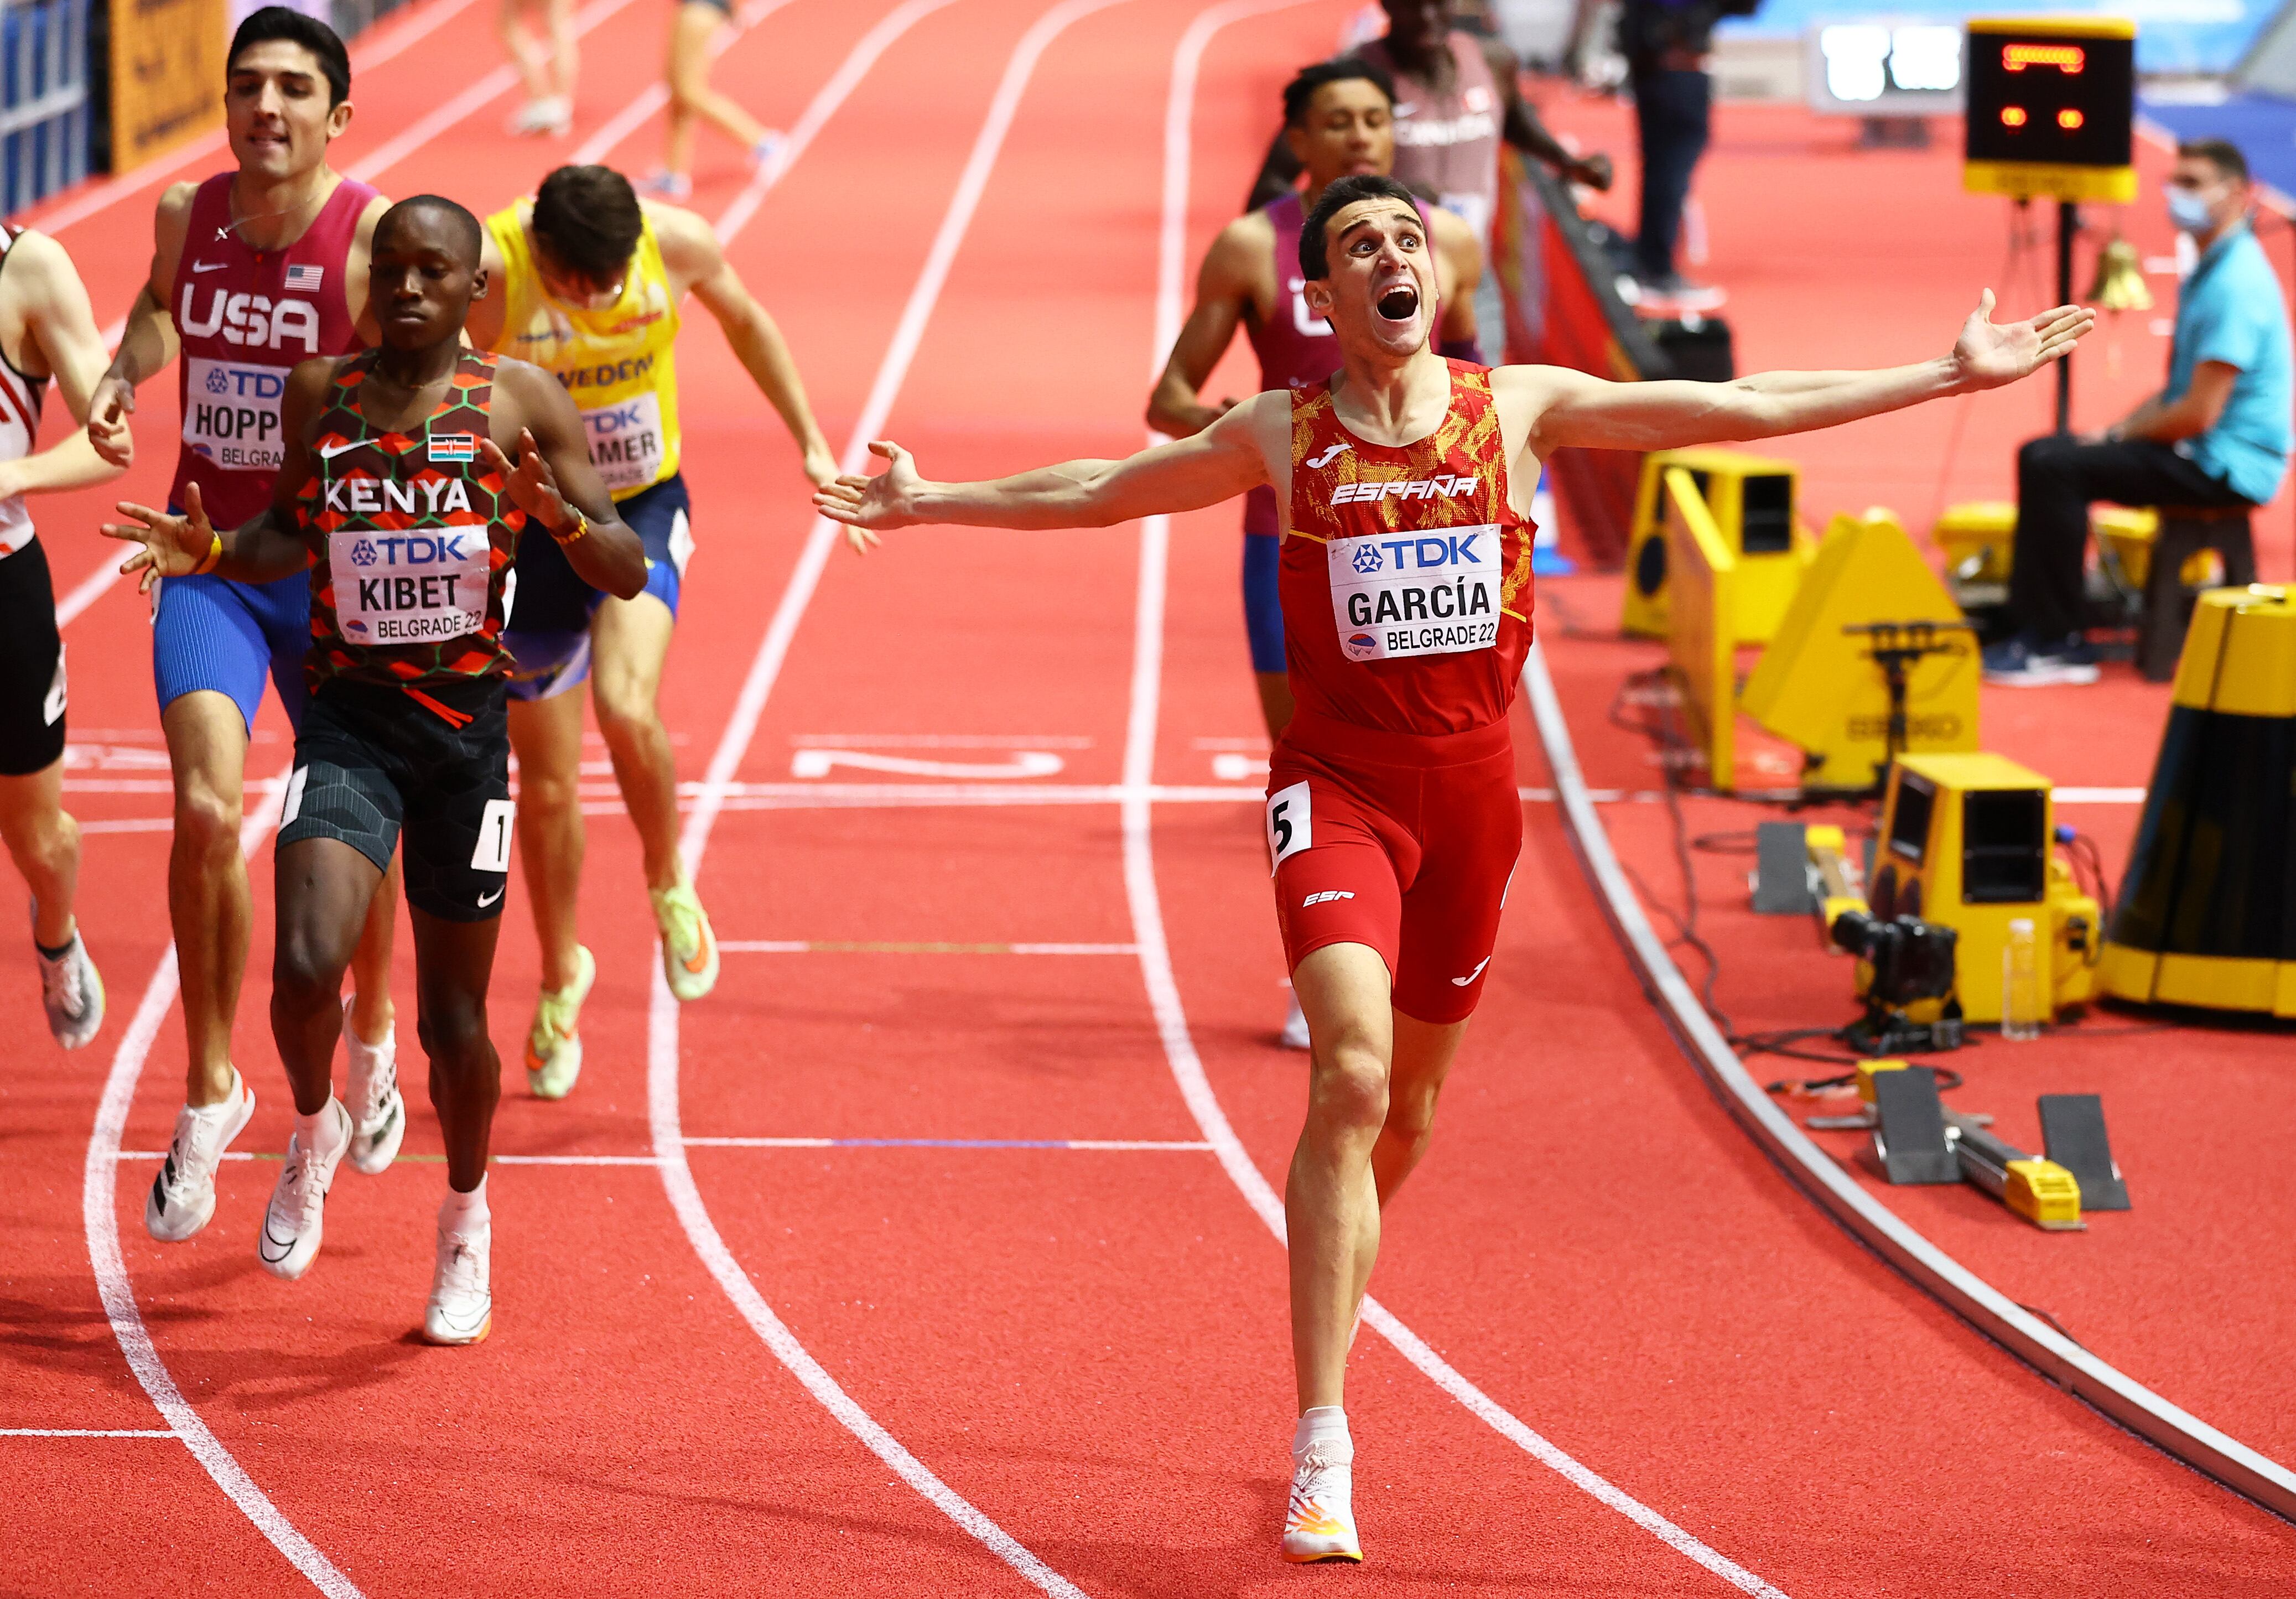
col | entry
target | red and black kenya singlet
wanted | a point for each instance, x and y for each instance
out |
(412, 538)
(1405, 580)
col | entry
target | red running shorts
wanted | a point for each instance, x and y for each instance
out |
(1399, 840)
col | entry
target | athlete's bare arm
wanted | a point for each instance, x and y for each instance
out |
(48, 329)
(1558, 407)
(262, 549)
(1234, 455)
(356, 262)
(1458, 273)
(148, 343)
(1520, 125)
(1237, 278)
(696, 260)
(554, 472)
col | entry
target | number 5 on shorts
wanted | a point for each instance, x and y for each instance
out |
(493, 852)
(1290, 825)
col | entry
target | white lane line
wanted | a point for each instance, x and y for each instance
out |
(161, 1155)
(442, 116)
(741, 728)
(1102, 1145)
(939, 741)
(86, 1432)
(626, 121)
(818, 112)
(830, 946)
(365, 57)
(1147, 907)
(100, 1218)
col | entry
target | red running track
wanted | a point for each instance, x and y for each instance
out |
(1087, 1346)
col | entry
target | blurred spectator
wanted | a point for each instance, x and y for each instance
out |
(1459, 98)
(1668, 47)
(2216, 436)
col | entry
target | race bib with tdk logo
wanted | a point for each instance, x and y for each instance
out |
(1397, 595)
(231, 414)
(626, 441)
(409, 589)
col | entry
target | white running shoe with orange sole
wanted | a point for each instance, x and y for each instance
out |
(1320, 1521)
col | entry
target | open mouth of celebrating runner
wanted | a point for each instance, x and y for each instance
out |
(1398, 301)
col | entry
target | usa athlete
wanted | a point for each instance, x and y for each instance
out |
(253, 271)
(1406, 580)
(398, 494)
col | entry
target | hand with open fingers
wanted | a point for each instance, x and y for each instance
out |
(1991, 354)
(108, 410)
(173, 546)
(531, 484)
(867, 505)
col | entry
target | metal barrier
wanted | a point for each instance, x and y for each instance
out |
(44, 116)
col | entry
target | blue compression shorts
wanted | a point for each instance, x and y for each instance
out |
(211, 633)
(549, 630)
(1263, 612)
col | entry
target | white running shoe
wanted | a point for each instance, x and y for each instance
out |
(689, 951)
(1294, 1034)
(71, 991)
(553, 1044)
(668, 184)
(378, 1110)
(183, 1195)
(294, 1220)
(462, 1308)
(547, 117)
(1320, 1522)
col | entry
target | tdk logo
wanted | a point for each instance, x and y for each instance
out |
(1417, 554)
(1404, 488)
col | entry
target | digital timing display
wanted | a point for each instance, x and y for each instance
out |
(2044, 97)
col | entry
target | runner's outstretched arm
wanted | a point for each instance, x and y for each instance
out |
(694, 253)
(1223, 461)
(1572, 408)
(1177, 407)
(263, 548)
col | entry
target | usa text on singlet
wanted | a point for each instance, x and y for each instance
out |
(1406, 575)
(412, 538)
(619, 362)
(244, 318)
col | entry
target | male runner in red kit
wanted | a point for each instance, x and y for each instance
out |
(1391, 806)
(1339, 117)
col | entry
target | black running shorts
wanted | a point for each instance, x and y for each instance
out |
(31, 665)
(373, 762)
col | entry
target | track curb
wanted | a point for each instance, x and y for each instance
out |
(2247, 1472)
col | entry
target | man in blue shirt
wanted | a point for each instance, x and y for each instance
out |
(2217, 435)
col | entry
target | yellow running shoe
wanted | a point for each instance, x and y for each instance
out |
(553, 1044)
(689, 950)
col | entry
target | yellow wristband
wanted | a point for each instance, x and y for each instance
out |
(581, 528)
(214, 555)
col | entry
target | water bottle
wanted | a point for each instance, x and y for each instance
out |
(2021, 983)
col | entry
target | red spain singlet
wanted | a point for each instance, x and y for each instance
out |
(245, 316)
(1406, 581)
(1295, 346)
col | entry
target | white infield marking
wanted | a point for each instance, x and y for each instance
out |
(741, 728)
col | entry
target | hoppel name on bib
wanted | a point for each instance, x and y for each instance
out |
(1396, 594)
(231, 414)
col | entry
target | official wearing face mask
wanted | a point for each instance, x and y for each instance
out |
(2217, 435)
